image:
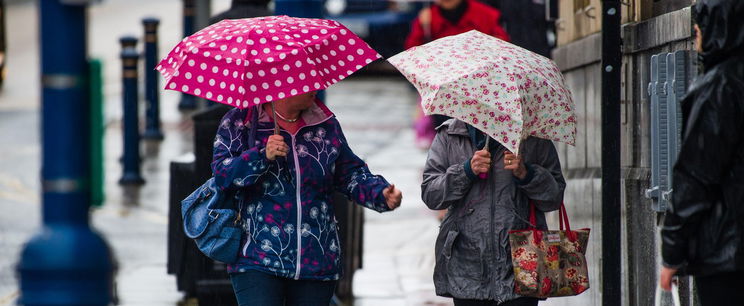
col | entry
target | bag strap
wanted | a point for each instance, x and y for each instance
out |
(562, 219)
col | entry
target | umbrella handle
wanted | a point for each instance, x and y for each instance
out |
(484, 175)
(276, 123)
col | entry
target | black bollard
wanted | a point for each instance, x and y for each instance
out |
(128, 42)
(152, 95)
(189, 19)
(131, 158)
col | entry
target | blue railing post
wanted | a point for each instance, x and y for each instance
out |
(152, 92)
(130, 122)
(66, 263)
(189, 24)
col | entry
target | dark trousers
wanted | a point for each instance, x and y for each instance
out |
(254, 288)
(721, 290)
(525, 301)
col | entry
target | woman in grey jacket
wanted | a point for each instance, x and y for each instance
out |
(473, 258)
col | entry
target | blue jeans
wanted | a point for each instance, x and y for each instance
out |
(254, 288)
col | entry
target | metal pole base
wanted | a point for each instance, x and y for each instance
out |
(131, 179)
(80, 272)
(188, 102)
(153, 135)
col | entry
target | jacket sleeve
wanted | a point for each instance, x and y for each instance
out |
(233, 164)
(353, 178)
(416, 36)
(707, 151)
(444, 182)
(497, 30)
(546, 186)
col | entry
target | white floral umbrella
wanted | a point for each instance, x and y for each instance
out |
(503, 90)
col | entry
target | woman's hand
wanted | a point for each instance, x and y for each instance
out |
(393, 196)
(515, 164)
(275, 146)
(481, 162)
(665, 278)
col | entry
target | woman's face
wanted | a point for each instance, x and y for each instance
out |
(698, 39)
(448, 4)
(301, 102)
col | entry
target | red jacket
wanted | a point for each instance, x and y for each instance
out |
(478, 16)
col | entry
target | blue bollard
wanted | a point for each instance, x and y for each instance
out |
(66, 263)
(128, 42)
(131, 158)
(152, 95)
(189, 23)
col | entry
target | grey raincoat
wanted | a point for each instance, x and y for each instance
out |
(473, 257)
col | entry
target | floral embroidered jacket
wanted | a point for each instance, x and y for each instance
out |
(288, 220)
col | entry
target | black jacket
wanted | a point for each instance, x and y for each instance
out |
(703, 232)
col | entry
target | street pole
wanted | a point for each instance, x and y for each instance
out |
(611, 210)
(152, 90)
(189, 22)
(302, 9)
(130, 104)
(66, 263)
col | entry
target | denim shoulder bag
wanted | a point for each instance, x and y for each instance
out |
(211, 219)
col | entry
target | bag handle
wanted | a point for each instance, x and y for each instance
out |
(564, 225)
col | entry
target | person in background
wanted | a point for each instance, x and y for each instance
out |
(244, 9)
(703, 231)
(446, 18)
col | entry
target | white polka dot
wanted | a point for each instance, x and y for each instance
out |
(187, 75)
(305, 88)
(226, 72)
(323, 31)
(342, 48)
(351, 41)
(274, 71)
(277, 83)
(281, 95)
(262, 40)
(228, 60)
(249, 42)
(234, 50)
(218, 57)
(241, 89)
(350, 57)
(257, 61)
(266, 50)
(295, 52)
(229, 100)
(293, 92)
(270, 59)
(261, 73)
(326, 71)
(360, 51)
(200, 79)
(172, 85)
(235, 74)
(245, 103)
(256, 100)
(304, 31)
(197, 91)
(334, 37)
(302, 76)
(259, 31)
(315, 36)
(206, 53)
(269, 98)
(358, 67)
(249, 75)
(333, 53)
(278, 47)
(253, 88)
(239, 39)
(325, 57)
(343, 32)
(212, 82)
(290, 80)
(282, 55)
(220, 98)
(333, 67)
(341, 63)
(185, 88)
(243, 51)
(317, 85)
(209, 94)
(215, 69)
(239, 61)
(313, 72)
(368, 61)
(254, 52)
(265, 85)
(286, 67)
(223, 85)
(192, 63)
(223, 47)
(195, 50)
(203, 66)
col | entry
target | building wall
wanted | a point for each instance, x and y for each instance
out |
(580, 63)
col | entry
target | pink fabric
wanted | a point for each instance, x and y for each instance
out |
(244, 62)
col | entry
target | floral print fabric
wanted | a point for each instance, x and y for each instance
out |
(285, 205)
(548, 263)
(505, 91)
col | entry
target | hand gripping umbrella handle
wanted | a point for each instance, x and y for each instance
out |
(484, 175)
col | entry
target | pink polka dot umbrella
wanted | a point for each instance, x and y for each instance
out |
(246, 62)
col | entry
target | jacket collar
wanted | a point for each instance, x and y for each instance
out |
(455, 127)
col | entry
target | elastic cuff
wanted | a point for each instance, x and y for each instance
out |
(528, 178)
(469, 171)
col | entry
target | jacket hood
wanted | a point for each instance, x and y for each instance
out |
(722, 25)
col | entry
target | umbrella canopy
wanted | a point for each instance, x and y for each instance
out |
(503, 90)
(245, 62)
